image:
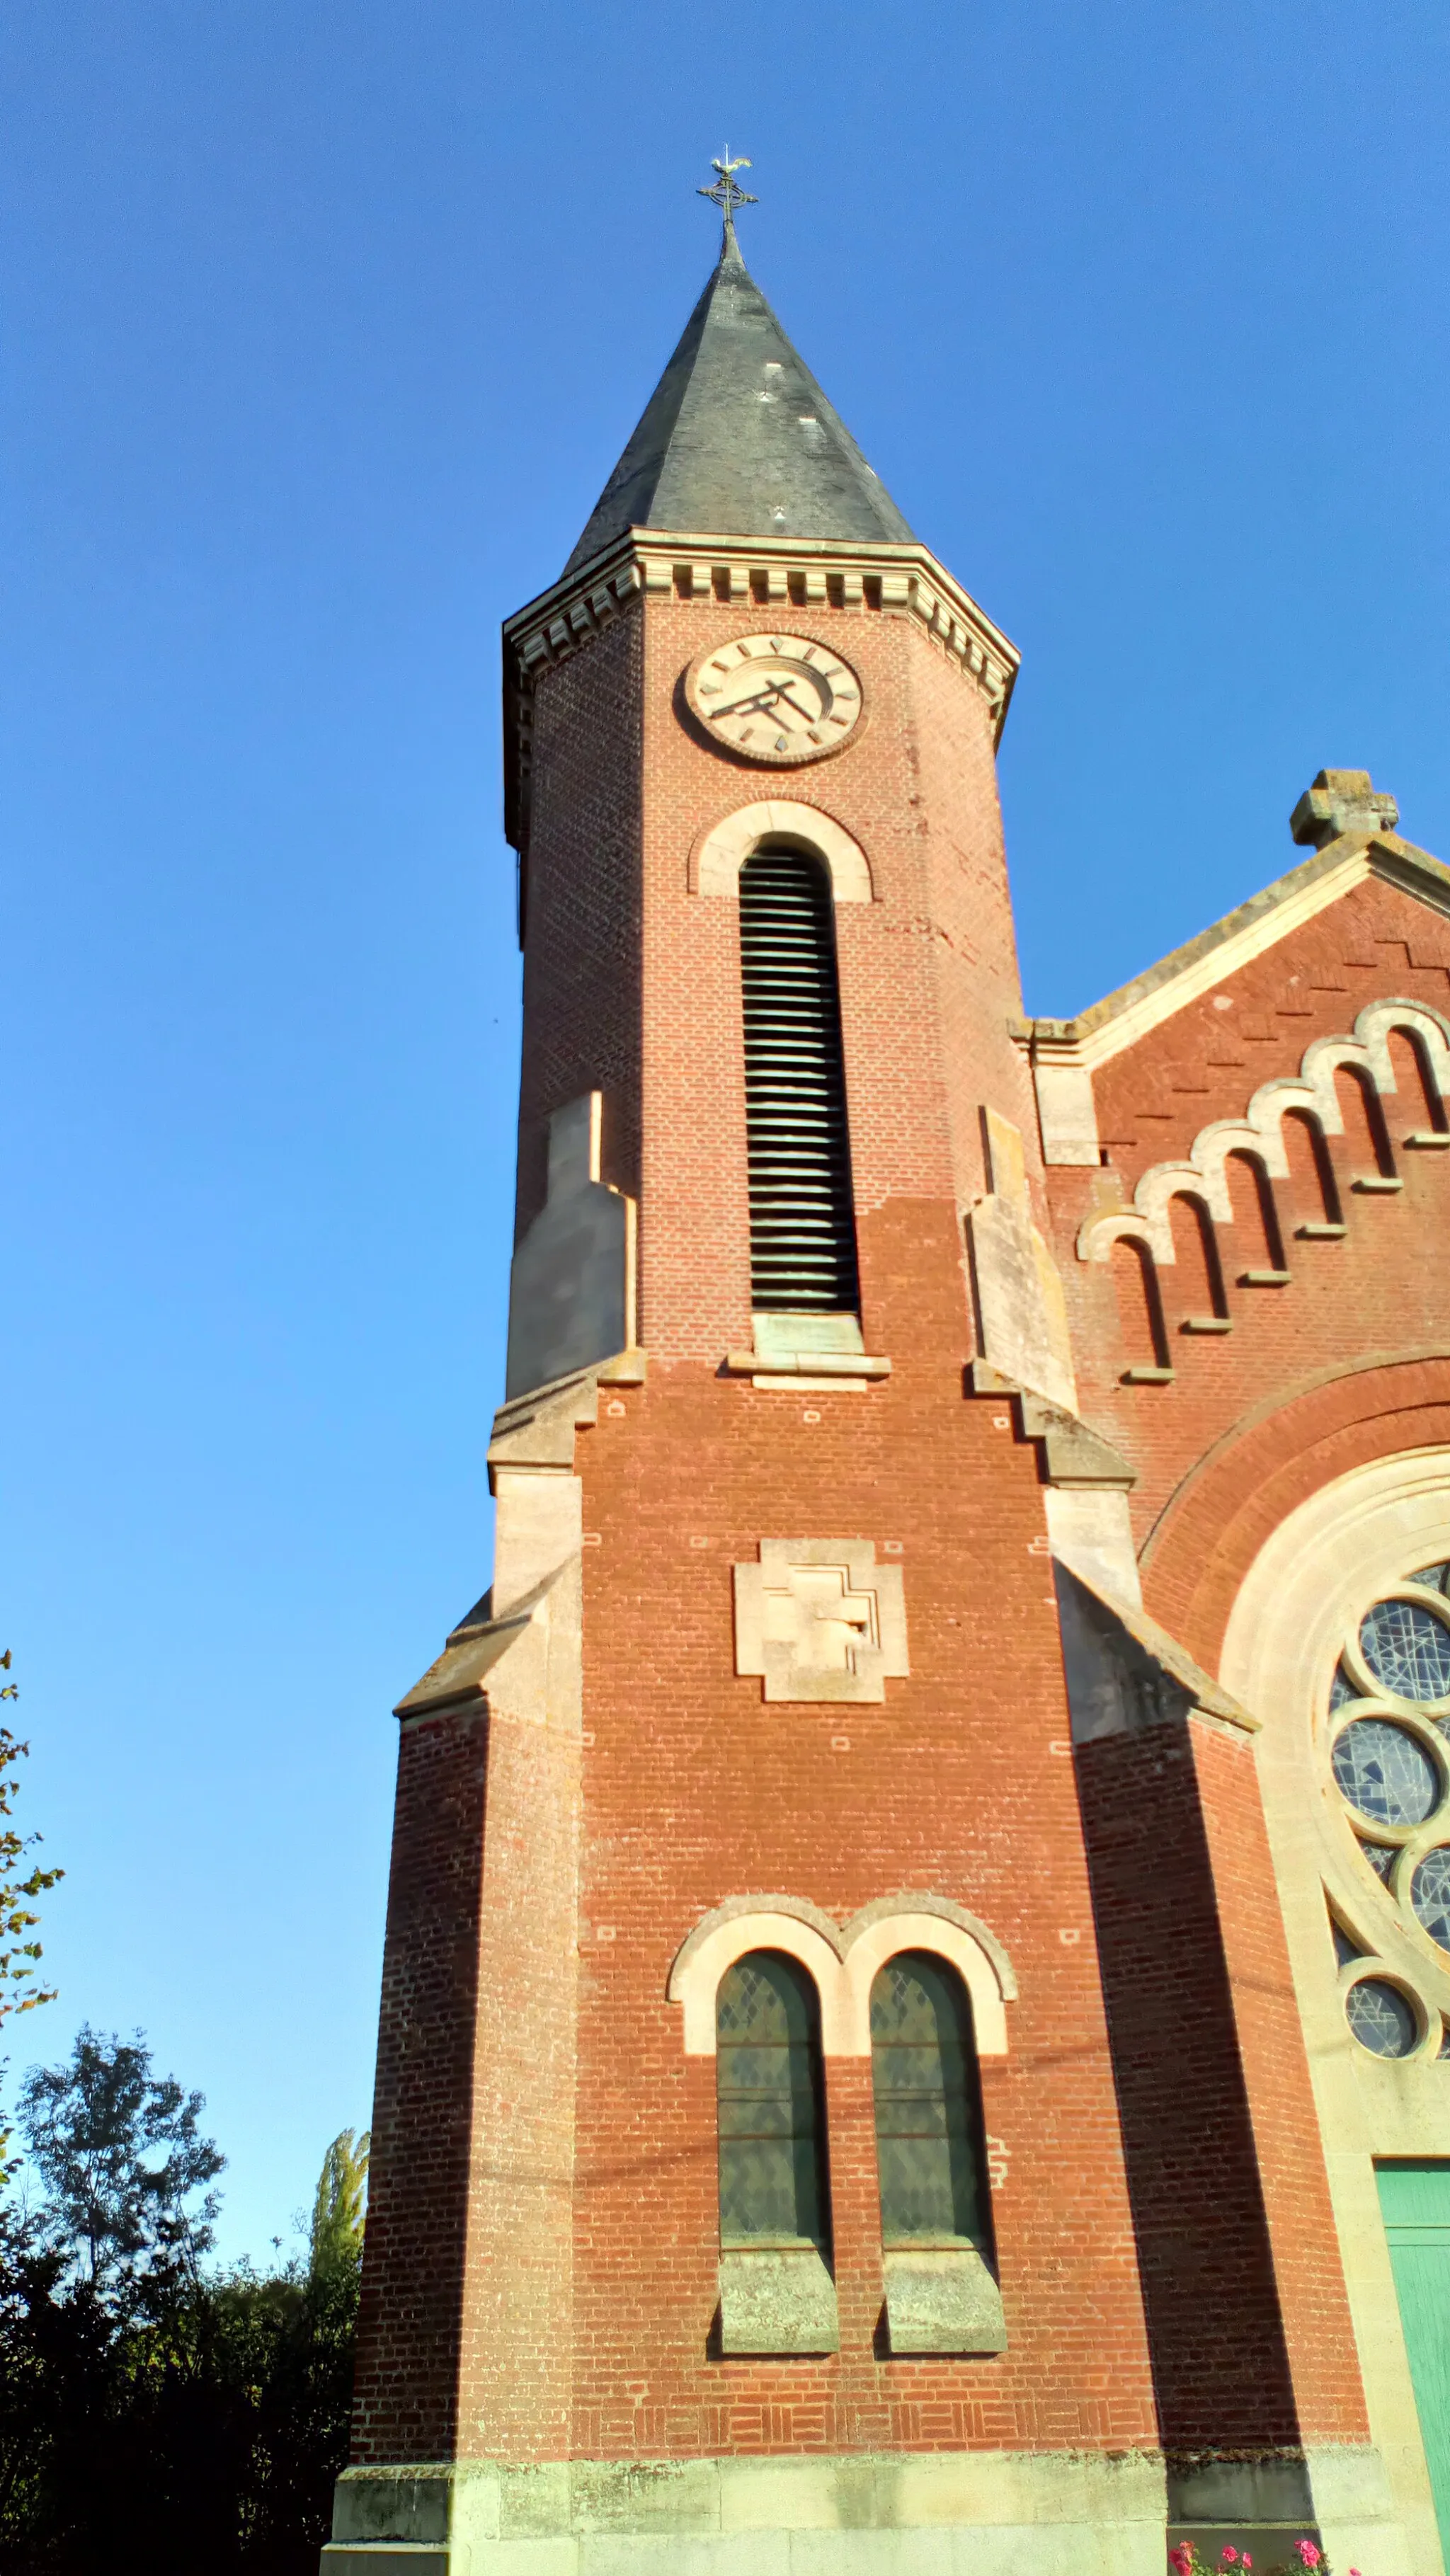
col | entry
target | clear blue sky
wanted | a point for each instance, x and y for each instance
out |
(324, 322)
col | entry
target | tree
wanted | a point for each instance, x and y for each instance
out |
(156, 2417)
(20, 1990)
(339, 2210)
(96, 2129)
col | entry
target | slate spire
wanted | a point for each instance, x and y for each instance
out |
(738, 440)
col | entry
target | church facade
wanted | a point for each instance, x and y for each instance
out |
(917, 1982)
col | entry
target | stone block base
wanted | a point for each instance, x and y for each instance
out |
(940, 2513)
(383, 2558)
(1336, 2495)
(1269, 2544)
(960, 2513)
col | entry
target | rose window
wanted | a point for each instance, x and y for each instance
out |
(1380, 2017)
(1430, 1895)
(1389, 1755)
(1384, 1773)
(1407, 1648)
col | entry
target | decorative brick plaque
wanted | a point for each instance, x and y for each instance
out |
(819, 1619)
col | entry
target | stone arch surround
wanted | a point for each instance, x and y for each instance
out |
(721, 850)
(1356, 1533)
(1209, 1533)
(842, 1963)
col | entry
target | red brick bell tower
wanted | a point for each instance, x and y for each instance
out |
(748, 2165)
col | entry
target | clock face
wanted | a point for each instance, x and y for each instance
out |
(775, 698)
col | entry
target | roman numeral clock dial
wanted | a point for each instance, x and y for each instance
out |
(775, 698)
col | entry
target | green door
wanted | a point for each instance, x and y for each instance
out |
(1415, 2203)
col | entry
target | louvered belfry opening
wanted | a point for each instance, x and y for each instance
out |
(802, 1225)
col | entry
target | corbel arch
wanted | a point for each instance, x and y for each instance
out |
(722, 850)
(1260, 1136)
(1097, 1236)
(843, 1964)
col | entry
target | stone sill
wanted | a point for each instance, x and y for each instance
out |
(942, 2297)
(776, 2298)
(823, 1368)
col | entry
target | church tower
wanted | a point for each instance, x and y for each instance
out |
(751, 2186)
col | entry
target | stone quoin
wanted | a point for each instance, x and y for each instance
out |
(917, 1979)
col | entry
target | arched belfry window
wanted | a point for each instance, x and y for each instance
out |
(928, 2109)
(768, 2075)
(802, 1224)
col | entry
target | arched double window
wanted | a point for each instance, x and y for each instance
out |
(772, 2128)
(777, 2292)
(802, 1222)
(929, 2145)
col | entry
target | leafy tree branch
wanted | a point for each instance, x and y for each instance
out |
(20, 1988)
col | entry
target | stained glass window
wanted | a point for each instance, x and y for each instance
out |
(928, 2114)
(1388, 1771)
(1385, 1773)
(1380, 2018)
(1381, 1857)
(768, 2080)
(1430, 1895)
(1407, 1649)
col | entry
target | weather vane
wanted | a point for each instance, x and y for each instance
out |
(725, 194)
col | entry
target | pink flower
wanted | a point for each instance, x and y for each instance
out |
(1182, 2558)
(1230, 2558)
(1306, 2552)
(1246, 2561)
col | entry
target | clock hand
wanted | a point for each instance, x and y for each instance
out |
(784, 692)
(764, 699)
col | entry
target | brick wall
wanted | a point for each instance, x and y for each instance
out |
(696, 1789)
(518, 2321)
(588, 2203)
(633, 983)
(1373, 1294)
(1267, 1463)
(1348, 1362)
(583, 952)
(422, 2125)
(1249, 2325)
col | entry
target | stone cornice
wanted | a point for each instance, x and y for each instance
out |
(776, 572)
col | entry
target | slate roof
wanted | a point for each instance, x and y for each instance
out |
(738, 440)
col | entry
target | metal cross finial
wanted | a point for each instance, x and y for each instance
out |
(725, 193)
